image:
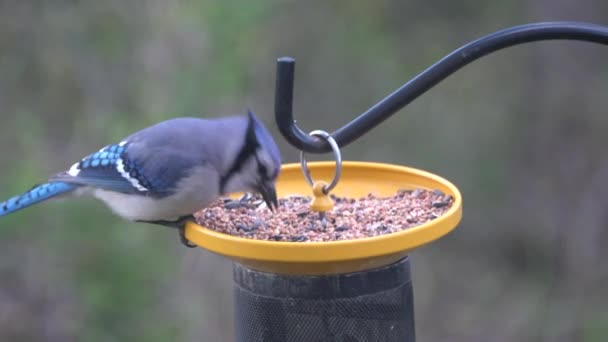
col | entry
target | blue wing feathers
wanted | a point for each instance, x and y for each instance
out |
(107, 156)
(35, 195)
(128, 168)
(100, 170)
(140, 170)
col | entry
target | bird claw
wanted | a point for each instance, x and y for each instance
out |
(180, 224)
(183, 239)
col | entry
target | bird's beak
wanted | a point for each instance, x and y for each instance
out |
(269, 194)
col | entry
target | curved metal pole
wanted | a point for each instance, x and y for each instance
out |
(421, 83)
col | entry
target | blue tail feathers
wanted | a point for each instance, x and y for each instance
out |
(37, 194)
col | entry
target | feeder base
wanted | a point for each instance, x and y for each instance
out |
(371, 305)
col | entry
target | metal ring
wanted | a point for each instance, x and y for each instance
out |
(337, 156)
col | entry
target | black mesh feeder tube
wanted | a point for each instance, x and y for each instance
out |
(347, 290)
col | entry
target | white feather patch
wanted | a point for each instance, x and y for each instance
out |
(120, 167)
(74, 170)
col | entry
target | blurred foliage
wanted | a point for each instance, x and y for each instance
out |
(521, 132)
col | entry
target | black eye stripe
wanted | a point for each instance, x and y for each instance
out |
(261, 168)
(247, 150)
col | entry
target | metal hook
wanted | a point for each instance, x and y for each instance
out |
(337, 156)
(421, 83)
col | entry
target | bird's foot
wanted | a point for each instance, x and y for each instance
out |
(182, 237)
(180, 224)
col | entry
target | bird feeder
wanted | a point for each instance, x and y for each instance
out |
(360, 289)
(346, 290)
(353, 290)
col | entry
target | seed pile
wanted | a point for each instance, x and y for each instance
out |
(351, 218)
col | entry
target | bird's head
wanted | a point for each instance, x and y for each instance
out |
(257, 165)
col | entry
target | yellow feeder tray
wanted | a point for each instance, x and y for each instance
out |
(334, 257)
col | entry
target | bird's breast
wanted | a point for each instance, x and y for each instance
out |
(192, 193)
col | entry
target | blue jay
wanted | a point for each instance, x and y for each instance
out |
(165, 173)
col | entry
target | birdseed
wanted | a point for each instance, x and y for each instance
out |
(351, 218)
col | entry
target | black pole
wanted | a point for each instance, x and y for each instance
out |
(421, 83)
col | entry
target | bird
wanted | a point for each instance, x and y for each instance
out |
(164, 173)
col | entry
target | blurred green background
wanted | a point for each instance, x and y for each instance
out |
(521, 132)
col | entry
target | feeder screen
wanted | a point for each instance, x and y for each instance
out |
(374, 305)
